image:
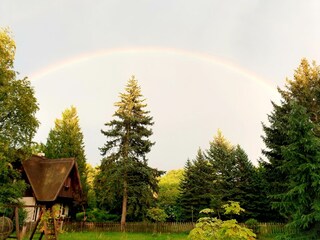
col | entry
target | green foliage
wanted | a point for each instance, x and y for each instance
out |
(208, 228)
(18, 123)
(38, 148)
(168, 187)
(275, 138)
(218, 175)
(196, 188)
(142, 183)
(235, 177)
(253, 224)
(304, 89)
(292, 141)
(97, 215)
(124, 171)
(169, 193)
(91, 174)
(232, 208)
(157, 215)
(65, 140)
(301, 200)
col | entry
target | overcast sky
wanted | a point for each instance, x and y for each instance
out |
(201, 65)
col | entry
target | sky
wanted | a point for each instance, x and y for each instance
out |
(202, 65)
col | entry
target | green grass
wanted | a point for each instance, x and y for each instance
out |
(133, 236)
(121, 236)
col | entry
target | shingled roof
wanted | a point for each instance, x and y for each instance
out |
(47, 176)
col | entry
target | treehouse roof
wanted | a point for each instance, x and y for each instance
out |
(50, 178)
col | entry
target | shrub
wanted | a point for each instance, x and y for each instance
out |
(253, 224)
(97, 215)
(208, 228)
(157, 214)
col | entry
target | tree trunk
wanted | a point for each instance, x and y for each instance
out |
(124, 205)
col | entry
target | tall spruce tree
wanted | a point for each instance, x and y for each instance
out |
(300, 202)
(234, 176)
(65, 140)
(223, 173)
(285, 138)
(304, 89)
(275, 138)
(220, 156)
(196, 188)
(18, 123)
(243, 179)
(127, 145)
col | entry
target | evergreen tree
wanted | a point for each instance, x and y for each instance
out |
(260, 203)
(304, 90)
(292, 141)
(196, 188)
(275, 138)
(127, 145)
(243, 179)
(235, 176)
(18, 123)
(220, 156)
(65, 140)
(108, 186)
(300, 203)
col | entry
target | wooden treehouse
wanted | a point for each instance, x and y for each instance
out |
(55, 186)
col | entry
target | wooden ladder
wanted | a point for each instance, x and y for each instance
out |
(50, 229)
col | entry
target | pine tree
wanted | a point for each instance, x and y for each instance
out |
(65, 140)
(127, 145)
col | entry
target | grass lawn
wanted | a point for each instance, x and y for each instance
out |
(133, 236)
(121, 236)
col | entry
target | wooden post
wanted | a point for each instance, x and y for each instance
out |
(16, 213)
(37, 223)
(55, 226)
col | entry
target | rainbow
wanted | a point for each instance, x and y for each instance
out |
(87, 56)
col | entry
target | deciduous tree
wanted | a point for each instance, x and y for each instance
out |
(18, 123)
(169, 193)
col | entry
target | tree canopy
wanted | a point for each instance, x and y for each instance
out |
(169, 193)
(18, 123)
(65, 140)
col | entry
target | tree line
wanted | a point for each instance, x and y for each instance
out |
(283, 187)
